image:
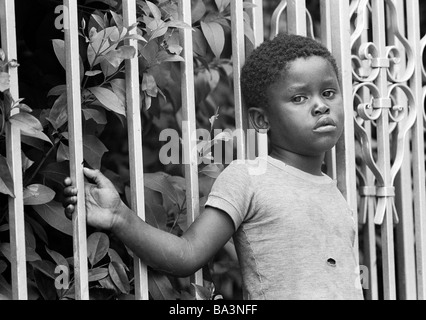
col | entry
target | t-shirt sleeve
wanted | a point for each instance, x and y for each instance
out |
(232, 192)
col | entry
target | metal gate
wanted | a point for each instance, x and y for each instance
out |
(379, 162)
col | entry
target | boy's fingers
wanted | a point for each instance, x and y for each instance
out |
(69, 210)
(97, 177)
(67, 181)
(69, 201)
(70, 191)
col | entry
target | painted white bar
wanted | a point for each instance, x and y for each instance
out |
(189, 123)
(135, 145)
(276, 17)
(13, 155)
(296, 17)
(326, 35)
(238, 59)
(413, 30)
(256, 16)
(383, 153)
(404, 235)
(345, 148)
(369, 233)
(76, 148)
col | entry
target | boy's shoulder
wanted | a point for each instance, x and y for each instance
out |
(250, 167)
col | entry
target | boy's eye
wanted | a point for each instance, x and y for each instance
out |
(329, 94)
(299, 99)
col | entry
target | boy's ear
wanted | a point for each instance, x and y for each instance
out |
(259, 119)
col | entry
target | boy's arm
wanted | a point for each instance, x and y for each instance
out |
(178, 256)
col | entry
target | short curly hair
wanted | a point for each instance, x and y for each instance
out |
(269, 62)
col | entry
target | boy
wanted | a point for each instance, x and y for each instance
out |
(293, 231)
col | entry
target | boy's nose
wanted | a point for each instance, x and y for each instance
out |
(321, 108)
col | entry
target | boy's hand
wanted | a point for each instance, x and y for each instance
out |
(102, 200)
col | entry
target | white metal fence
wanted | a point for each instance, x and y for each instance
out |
(379, 162)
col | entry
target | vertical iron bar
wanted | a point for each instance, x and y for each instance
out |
(238, 59)
(383, 153)
(345, 148)
(404, 237)
(76, 147)
(413, 30)
(135, 145)
(330, 157)
(13, 155)
(189, 123)
(296, 17)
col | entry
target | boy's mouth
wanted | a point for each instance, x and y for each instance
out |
(325, 124)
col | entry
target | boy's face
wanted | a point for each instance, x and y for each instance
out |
(305, 110)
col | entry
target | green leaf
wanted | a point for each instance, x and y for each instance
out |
(6, 181)
(45, 285)
(93, 150)
(38, 135)
(30, 241)
(5, 289)
(215, 36)
(97, 274)
(156, 216)
(97, 247)
(109, 100)
(212, 170)
(38, 229)
(98, 116)
(222, 4)
(119, 88)
(100, 44)
(56, 172)
(156, 13)
(160, 287)
(118, 19)
(93, 73)
(63, 153)
(158, 29)
(116, 57)
(24, 108)
(46, 267)
(107, 68)
(199, 42)
(98, 20)
(114, 256)
(119, 276)
(4, 81)
(26, 122)
(178, 24)
(159, 182)
(202, 293)
(53, 214)
(31, 255)
(59, 49)
(58, 258)
(149, 85)
(37, 194)
(198, 10)
(29, 125)
(163, 56)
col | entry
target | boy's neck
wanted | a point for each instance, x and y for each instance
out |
(308, 164)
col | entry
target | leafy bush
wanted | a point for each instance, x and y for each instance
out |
(45, 146)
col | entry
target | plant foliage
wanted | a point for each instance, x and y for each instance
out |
(45, 144)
